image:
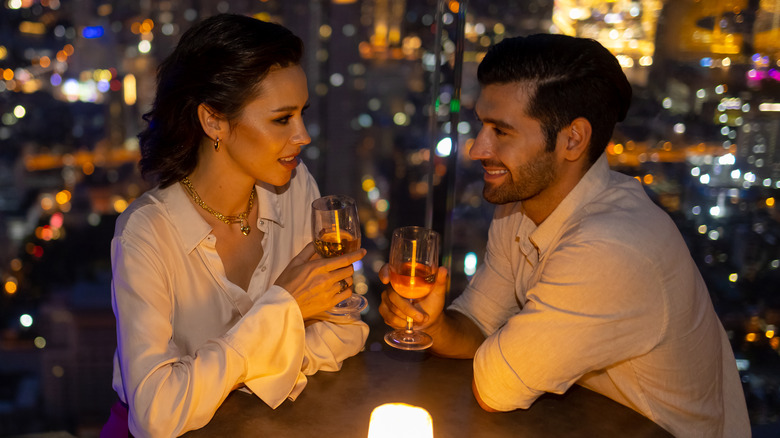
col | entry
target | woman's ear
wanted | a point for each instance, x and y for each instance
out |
(212, 124)
(578, 135)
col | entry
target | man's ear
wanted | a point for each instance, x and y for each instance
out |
(578, 135)
(213, 125)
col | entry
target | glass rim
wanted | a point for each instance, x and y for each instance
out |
(412, 230)
(321, 202)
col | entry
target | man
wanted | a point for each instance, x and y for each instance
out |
(585, 280)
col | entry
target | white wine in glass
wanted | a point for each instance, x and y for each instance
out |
(414, 261)
(336, 231)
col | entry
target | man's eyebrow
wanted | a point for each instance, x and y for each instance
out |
(500, 124)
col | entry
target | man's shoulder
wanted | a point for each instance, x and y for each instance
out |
(623, 216)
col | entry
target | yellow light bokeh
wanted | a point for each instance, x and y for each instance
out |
(63, 197)
(146, 26)
(10, 287)
(750, 337)
(120, 205)
(47, 203)
(648, 179)
(770, 202)
(128, 85)
(325, 31)
(32, 28)
(371, 228)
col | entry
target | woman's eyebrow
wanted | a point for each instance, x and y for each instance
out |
(288, 108)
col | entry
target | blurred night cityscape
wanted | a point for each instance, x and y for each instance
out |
(703, 136)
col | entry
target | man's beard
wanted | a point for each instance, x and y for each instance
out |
(532, 178)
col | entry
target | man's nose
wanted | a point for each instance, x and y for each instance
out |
(481, 149)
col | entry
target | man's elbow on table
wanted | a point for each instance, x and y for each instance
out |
(481, 402)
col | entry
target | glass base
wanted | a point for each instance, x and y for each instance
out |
(354, 304)
(408, 339)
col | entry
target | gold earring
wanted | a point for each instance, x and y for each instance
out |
(216, 144)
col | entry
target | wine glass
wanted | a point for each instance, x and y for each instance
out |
(336, 231)
(414, 260)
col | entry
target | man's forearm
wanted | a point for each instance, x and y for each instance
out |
(455, 335)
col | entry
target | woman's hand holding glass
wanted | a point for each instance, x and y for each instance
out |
(316, 283)
(335, 229)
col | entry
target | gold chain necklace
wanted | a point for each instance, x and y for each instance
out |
(240, 218)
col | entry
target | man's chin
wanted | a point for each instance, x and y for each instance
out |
(497, 196)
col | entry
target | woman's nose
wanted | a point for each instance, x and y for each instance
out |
(301, 136)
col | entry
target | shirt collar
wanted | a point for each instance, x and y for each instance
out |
(268, 200)
(187, 222)
(592, 183)
(192, 228)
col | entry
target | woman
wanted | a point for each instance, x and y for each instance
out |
(215, 282)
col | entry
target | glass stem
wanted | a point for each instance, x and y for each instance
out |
(409, 321)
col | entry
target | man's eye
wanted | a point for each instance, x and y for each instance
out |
(498, 131)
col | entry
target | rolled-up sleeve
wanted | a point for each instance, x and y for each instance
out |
(591, 308)
(490, 299)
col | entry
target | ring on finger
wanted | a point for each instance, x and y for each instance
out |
(344, 285)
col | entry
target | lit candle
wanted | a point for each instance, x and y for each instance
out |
(399, 420)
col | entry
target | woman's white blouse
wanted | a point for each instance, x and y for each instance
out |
(186, 334)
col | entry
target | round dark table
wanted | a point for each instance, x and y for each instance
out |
(340, 404)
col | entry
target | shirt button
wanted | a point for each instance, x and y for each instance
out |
(263, 268)
(262, 222)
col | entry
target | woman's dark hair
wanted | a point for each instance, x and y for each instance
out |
(219, 62)
(568, 78)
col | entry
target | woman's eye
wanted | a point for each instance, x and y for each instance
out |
(283, 120)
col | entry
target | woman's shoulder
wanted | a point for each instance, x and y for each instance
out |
(143, 214)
